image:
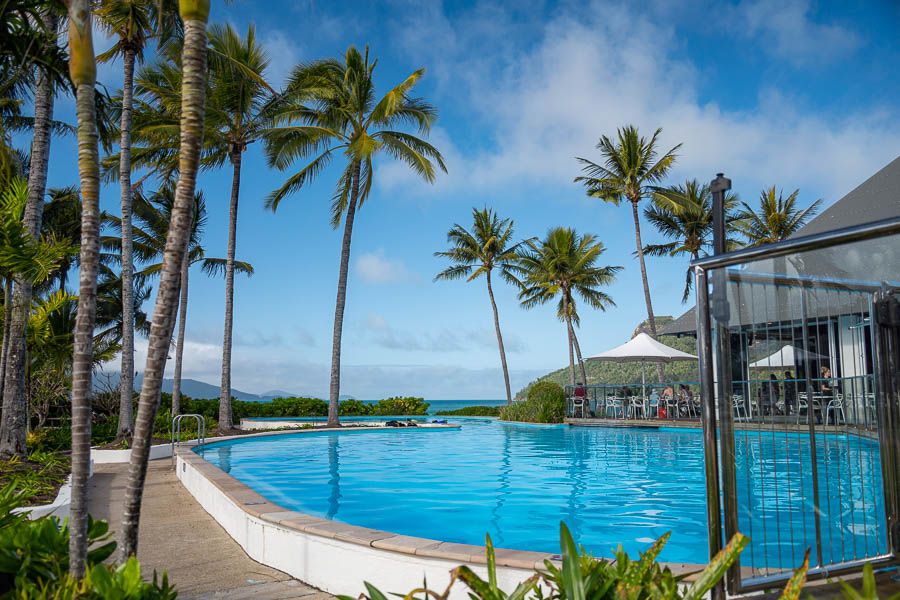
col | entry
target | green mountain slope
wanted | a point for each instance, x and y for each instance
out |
(630, 373)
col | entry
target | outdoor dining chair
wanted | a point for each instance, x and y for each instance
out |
(738, 406)
(835, 405)
(578, 403)
(614, 406)
(635, 404)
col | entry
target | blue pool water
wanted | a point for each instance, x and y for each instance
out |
(610, 485)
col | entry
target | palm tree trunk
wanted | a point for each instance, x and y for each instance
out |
(14, 420)
(179, 345)
(651, 319)
(569, 338)
(334, 392)
(578, 355)
(193, 97)
(499, 340)
(7, 318)
(225, 391)
(83, 71)
(126, 377)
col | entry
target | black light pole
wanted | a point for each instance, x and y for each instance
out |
(718, 187)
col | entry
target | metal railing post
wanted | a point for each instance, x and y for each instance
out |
(710, 445)
(811, 419)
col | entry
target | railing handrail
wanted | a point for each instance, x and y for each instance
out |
(176, 430)
(873, 230)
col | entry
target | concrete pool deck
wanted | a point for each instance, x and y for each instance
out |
(179, 537)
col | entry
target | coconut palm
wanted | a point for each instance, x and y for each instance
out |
(194, 14)
(152, 217)
(488, 246)
(629, 171)
(776, 218)
(132, 22)
(83, 71)
(238, 93)
(13, 423)
(329, 109)
(683, 213)
(564, 265)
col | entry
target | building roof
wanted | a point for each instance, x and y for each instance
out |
(875, 199)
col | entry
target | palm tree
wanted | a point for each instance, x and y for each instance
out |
(630, 170)
(488, 246)
(564, 264)
(132, 21)
(238, 94)
(83, 70)
(684, 214)
(776, 219)
(195, 14)
(152, 219)
(329, 108)
(13, 422)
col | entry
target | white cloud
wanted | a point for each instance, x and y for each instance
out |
(374, 267)
(283, 53)
(788, 31)
(606, 66)
(383, 334)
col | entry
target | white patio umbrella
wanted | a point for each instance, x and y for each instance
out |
(643, 348)
(788, 356)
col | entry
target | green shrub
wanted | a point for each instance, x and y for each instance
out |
(471, 411)
(400, 406)
(34, 560)
(38, 478)
(546, 403)
(354, 408)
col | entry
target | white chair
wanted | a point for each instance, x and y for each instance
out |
(578, 403)
(739, 407)
(637, 404)
(835, 405)
(870, 409)
(614, 406)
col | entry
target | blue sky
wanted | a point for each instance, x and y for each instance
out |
(797, 94)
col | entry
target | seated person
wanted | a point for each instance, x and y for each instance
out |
(668, 393)
(626, 392)
(685, 393)
(790, 393)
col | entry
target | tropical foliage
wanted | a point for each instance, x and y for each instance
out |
(545, 403)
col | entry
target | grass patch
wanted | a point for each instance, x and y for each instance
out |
(38, 477)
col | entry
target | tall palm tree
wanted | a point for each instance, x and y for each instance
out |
(13, 422)
(238, 95)
(629, 171)
(564, 264)
(132, 22)
(329, 108)
(683, 213)
(83, 71)
(488, 246)
(776, 219)
(152, 217)
(194, 14)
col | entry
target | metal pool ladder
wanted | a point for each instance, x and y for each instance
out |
(176, 431)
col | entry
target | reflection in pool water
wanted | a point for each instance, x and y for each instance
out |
(610, 485)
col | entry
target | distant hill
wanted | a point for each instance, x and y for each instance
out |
(201, 389)
(630, 373)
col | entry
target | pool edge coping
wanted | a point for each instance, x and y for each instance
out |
(254, 505)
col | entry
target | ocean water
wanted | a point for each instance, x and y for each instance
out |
(611, 486)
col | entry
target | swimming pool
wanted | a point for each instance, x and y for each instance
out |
(611, 486)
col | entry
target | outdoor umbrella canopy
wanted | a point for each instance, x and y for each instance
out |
(787, 357)
(643, 349)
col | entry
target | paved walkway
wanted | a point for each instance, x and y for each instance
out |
(179, 537)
